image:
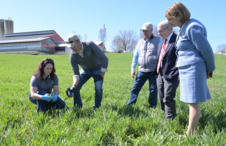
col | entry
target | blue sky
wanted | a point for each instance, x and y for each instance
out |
(89, 16)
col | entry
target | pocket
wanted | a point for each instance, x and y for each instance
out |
(96, 71)
(138, 75)
(152, 59)
(141, 60)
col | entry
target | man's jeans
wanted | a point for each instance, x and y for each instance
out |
(43, 105)
(85, 75)
(141, 78)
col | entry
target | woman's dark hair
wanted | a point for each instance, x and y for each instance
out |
(39, 72)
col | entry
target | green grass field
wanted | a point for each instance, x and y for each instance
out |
(114, 123)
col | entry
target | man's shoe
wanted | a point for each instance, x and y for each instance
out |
(152, 107)
(94, 107)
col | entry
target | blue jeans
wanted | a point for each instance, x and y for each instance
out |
(141, 78)
(85, 75)
(43, 105)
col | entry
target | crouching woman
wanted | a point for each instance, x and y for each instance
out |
(42, 82)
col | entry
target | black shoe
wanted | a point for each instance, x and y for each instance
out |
(94, 107)
(78, 106)
(152, 107)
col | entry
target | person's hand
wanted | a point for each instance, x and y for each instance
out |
(46, 97)
(209, 74)
(102, 74)
(74, 86)
(133, 73)
(54, 98)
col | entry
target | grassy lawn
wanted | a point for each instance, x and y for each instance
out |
(114, 123)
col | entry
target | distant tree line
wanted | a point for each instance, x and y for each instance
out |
(221, 49)
(127, 40)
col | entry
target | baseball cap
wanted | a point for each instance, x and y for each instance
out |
(146, 26)
(71, 40)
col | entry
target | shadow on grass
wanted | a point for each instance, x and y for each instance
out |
(73, 111)
(121, 110)
(80, 112)
(216, 120)
(130, 111)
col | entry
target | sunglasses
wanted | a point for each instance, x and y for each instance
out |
(70, 42)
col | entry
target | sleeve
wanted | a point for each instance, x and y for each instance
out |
(100, 55)
(135, 58)
(56, 81)
(197, 35)
(74, 65)
(34, 81)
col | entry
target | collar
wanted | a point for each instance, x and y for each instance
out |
(181, 30)
(168, 38)
(81, 49)
(152, 36)
(184, 24)
(47, 77)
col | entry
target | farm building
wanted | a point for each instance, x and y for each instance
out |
(47, 40)
(31, 41)
(27, 41)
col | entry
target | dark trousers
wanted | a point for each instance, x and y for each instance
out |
(141, 78)
(43, 105)
(167, 93)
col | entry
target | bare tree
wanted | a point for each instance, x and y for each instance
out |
(141, 35)
(221, 48)
(125, 41)
(155, 31)
(103, 35)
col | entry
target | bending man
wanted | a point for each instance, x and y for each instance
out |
(93, 64)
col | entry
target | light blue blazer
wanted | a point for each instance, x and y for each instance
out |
(193, 47)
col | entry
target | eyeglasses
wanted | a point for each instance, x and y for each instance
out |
(162, 30)
(70, 42)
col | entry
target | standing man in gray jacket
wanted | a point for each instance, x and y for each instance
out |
(145, 55)
(93, 64)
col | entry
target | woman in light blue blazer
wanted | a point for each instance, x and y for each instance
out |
(195, 60)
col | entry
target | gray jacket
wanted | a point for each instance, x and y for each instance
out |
(93, 57)
(147, 59)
